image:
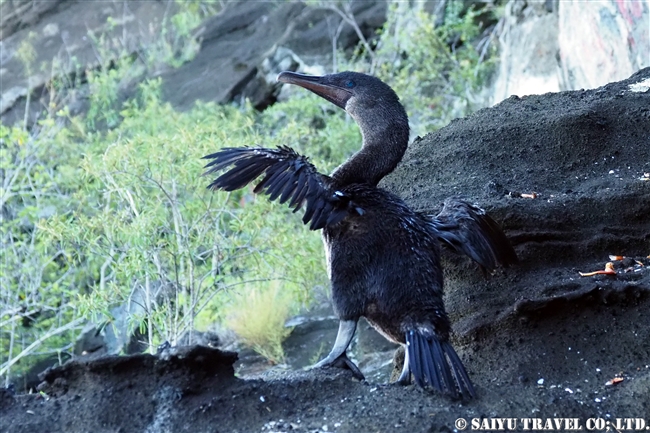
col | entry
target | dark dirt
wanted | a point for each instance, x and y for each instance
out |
(537, 339)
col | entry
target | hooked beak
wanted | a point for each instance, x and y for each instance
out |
(336, 95)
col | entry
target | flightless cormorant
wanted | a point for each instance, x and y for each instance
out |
(383, 257)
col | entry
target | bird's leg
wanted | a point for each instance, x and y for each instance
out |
(337, 356)
(405, 376)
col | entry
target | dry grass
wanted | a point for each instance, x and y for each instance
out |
(258, 315)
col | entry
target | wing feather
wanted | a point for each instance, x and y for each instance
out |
(289, 191)
(298, 198)
(287, 176)
(234, 180)
(272, 173)
(281, 182)
(468, 230)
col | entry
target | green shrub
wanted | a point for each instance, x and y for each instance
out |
(36, 279)
(125, 215)
(144, 214)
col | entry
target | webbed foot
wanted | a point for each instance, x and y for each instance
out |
(342, 361)
(337, 356)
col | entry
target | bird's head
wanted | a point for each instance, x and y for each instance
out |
(376, 109)
(364, 97)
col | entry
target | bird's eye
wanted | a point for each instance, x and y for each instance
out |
(349, 84)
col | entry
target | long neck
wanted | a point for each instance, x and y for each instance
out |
(384, 144)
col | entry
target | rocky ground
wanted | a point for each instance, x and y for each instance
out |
(537, 339)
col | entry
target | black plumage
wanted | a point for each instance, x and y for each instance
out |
(383, 257)
(287, 175)
(467, 229)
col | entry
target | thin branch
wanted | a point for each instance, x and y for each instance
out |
(348, 17)
(51, 333)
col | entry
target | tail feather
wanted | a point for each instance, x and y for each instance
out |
(459, 373)
(435, 363)
(416, 361)
(441, 363)
(430, 369)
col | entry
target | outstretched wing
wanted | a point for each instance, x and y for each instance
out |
(287, 176)
(467, 229)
